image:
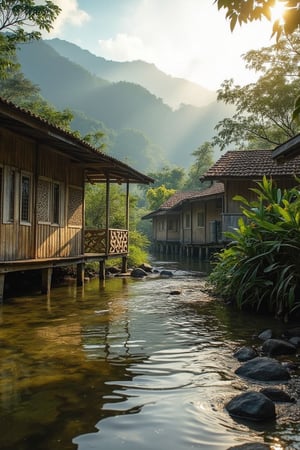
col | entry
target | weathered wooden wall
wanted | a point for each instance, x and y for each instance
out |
(190, 233)
(40, 238)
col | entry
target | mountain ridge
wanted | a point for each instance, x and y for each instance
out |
(154, 134)
(174, 91)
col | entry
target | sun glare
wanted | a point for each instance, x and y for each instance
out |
(278, 11)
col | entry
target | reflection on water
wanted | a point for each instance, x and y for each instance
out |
(126, 365)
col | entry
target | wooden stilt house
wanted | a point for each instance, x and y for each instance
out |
(189, 223)
(43, 171)
(240, 170)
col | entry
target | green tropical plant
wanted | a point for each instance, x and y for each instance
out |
(260, 269)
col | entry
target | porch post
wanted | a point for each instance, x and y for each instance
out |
(127, 206)
(83, 218)
(107, 215)
(125, 258)
(46, 280)
(2, 279)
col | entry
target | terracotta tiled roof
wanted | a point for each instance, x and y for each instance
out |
(180, 197)
(252, 164)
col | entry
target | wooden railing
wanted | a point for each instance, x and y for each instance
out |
(96, 241)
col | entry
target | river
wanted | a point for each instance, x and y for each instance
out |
(128, 364)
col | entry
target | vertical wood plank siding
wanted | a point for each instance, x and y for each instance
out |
(41, 240)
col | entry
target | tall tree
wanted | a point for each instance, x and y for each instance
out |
(203, 161)
(265, 109)
(22, 21)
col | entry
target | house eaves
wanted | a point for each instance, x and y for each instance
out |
(288, 149)
(98, 166)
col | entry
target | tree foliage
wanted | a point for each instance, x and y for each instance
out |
(22, 21)
(170, 177)
(261, 267)
(17, 19)
(157, 196)
(264, 110)
(203, 161)
(244, 11)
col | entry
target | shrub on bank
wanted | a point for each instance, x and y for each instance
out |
(260, 269)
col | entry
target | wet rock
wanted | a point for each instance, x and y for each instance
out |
(290, 365)
(274, 347)
(266, 334)
(138, 273)
(251, 446)
(166, 273)
(263, 369)
(252, 406)
(245, 354)
(113, 270)
(146, 267)
(277, 395)
(175, 292)
(295, 340)
(292, 332)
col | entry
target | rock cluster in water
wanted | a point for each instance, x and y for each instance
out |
(259, 365)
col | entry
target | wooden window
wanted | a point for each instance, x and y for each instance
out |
(56, 203)
(75, 206)
(200, 219)
(161, 225)
(173, 225)
(43, 201)
(219, 204)
(25, 202)
(9, 194)
(187, 220)
(50, 202)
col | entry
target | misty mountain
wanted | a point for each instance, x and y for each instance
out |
(153, 133)
(173, 91)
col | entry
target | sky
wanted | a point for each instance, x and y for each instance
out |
(189, 39)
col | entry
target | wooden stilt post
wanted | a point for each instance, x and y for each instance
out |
(125, 258)
(102, 269)
(2, 279)
(124, 264)
(80, 274)
(46, 280)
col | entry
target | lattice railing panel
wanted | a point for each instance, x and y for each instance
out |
(95, 241)
(118, 241)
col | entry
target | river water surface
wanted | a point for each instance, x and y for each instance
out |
(126, 364)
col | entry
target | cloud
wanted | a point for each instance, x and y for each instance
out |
(70, 14)
(184, 38)
(190, 38)
(124, 47)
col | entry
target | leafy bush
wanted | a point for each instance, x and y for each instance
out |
(260, 269)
